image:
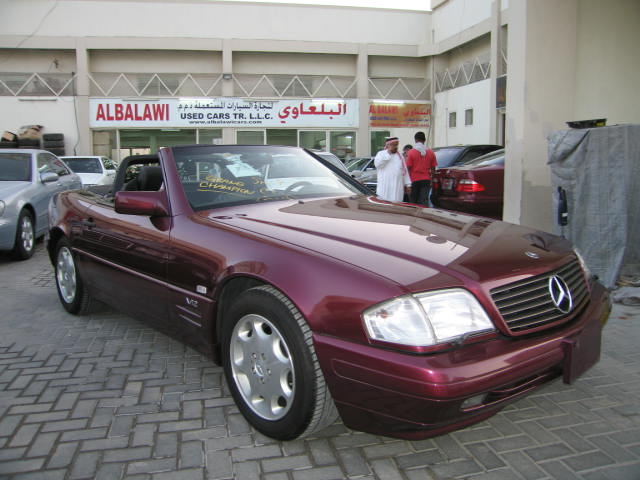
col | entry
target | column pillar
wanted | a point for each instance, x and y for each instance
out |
(496, 27)
(363, 142)
(540, 99)
(228, 134)
(84, 143)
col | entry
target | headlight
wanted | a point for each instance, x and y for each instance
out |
(583, 264)
(427, 319)
(1, 208)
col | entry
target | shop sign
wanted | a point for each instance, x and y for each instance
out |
(223, 112)
(399, 114)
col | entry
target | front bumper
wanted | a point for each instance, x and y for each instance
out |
(419, 396)
(8, 227)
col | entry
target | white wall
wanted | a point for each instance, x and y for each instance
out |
(456, 16)
(475, 95)
(398, 67)
(287, 63)
(138, 61)
(608, 65)
(55, 115)
(211, 19)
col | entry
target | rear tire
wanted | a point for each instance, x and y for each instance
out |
(25, 243)
(71, 290)
(271, 366)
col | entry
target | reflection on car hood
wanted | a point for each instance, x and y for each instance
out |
(8, 188)
(405, 243)
(365, 176)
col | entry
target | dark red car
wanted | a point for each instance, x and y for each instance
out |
(476, 186)
(320, 299)
(453, 156)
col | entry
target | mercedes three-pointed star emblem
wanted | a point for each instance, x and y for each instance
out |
(560, 294)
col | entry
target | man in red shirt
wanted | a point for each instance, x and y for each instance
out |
(421, 163)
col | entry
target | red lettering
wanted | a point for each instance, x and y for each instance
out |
(100, 113)
(147, 113)
(119, 111)
(160, 111)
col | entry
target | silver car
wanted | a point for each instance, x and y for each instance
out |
(28, 179)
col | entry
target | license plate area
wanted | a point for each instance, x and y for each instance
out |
(581, 352)
(447, 184)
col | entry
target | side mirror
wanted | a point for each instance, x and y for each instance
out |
(49, 177)
(146, 204)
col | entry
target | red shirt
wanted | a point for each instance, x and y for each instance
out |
(420, 166)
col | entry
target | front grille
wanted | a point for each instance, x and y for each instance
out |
(528, 304)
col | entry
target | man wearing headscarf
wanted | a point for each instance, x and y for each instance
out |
(393, 177)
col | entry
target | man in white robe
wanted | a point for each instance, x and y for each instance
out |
(393, 177)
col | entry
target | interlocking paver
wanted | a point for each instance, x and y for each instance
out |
(107, 397)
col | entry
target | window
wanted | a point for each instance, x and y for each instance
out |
(210, 136)
(343, 144)
(250, 137)
(50, 163)
(314, 140)
(468, 116)
(378, 139)
(282, 136)
(452, 120)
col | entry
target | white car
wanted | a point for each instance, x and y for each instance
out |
(92, 170)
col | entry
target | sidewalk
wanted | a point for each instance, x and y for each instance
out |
(107, 397)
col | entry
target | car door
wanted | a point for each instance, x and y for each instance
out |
(125, 258)
(47, 163)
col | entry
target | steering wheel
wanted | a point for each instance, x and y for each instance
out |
(297, 185)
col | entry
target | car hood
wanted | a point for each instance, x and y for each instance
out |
(407, 244)
(8, 188)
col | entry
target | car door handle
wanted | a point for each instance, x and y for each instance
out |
(88, 222)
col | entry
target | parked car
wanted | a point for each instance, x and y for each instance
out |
(318, 298)
(476, 186)
(92, 170)
(455, 155)
(332, 159)
(28, 179)
(364, 170)
(361, 165)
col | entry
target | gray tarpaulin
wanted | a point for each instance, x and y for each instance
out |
(599, 168)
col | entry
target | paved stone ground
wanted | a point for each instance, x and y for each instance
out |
(107, 397)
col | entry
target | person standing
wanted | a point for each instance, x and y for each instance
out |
(421, 163)
(393, 177)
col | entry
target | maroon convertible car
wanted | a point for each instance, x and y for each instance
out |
(319, 299)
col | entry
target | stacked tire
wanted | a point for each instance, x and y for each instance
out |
(9, 140)
(54, 143)
(28, 143)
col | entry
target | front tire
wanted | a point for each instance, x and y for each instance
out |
(271, 366)
(71, 290)
(25, 243)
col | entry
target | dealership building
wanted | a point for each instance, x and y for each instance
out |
(126, 77)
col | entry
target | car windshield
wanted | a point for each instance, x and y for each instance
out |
(15, 167)
(446, 156)
(493, 158)
(233, 175)
(83, 165)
